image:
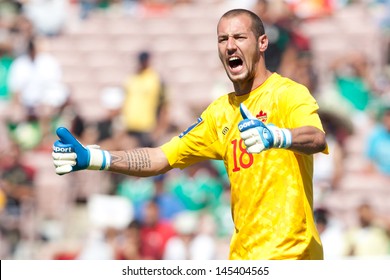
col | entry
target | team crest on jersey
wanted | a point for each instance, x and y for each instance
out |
(262, 116)
(199, 120)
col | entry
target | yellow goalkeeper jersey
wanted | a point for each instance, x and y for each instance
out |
(271, 192)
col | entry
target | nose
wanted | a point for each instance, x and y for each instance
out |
(231, 44)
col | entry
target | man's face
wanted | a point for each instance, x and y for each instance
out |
(238, 48)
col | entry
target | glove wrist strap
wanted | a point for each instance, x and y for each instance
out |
(99, 159)
(287, 138)
(282, 138)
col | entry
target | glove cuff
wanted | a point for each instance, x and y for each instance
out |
(282, 138)
(99, 159)
(287, 138)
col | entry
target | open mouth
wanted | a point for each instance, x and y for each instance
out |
(235, 63)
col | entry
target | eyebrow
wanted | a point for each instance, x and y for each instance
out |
(233, 35)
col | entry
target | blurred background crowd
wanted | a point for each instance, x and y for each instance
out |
(128, 73)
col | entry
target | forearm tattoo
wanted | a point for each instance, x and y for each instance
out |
(134, 160)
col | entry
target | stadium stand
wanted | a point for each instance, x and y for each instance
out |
(98, 52)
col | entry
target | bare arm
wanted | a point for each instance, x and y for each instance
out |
(307, 140)
(141, 162)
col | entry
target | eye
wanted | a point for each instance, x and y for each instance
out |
(240, 38)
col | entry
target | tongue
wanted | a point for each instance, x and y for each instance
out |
(236, 68)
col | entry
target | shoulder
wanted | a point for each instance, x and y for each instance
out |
(289, 84)
(47, 58)
(21, 61)
(289, 91)
(220, 103)
(295, 90)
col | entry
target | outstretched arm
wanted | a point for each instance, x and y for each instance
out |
(140, 162)
(307, 140)
(70, 155)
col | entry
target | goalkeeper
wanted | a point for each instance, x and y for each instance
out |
(266, 132)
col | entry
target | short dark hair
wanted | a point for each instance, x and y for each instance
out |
(257, 23)
(321, 216)
(143, 56)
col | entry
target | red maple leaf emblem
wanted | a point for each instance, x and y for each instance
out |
(262, 116)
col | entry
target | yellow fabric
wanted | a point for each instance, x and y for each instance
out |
(143, 93)
(271, 192)
(3, 200)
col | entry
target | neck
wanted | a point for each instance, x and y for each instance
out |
(248, 86)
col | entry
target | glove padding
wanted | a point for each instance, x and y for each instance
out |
(70, 155)
(259, 137)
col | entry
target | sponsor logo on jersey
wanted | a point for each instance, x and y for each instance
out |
(199, 120)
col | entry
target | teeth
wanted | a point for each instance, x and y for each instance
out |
(233, 58)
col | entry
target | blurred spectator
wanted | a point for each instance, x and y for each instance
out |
(332, 234)
(109, 217)
(300, 68)
(380, 9)
(21, 31)
(17, 183)
(37, 131)
(8, 9)
(194, 190)
(189, 243)
(32, 76)
(222, 216)
(150, 8)
(38, 94)
(197, 187)
(369, 238)
(129, 246)
(138, 190)
(48, 17)
(59, 104)
(354, 81)
(311, 9)
(141, 190)
(109, 128)
(289, 50)
(279, 38)
(169, 204)
(98, 246)
(6, 59)
(378, 144)
(329, 169)
(155, 232)
(111, 99)
(87, 7)
(144, 110)
(130, 7)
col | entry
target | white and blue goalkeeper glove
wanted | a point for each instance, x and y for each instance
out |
(70, 155)
(259, 137)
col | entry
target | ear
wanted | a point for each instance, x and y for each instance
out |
(263, 42)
